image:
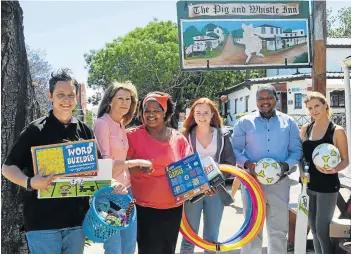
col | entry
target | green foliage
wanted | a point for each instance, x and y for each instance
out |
(189, 33)
(238, 33)
(237, 116)
(344, 19)
(289, 30)
(149, 58)
(89, 118)
(303, 58)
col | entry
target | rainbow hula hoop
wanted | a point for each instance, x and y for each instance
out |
(253, 222)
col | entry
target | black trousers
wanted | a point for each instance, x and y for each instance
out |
(158, 229)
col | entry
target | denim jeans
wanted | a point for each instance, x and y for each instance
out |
(124, 241)
(57, 241)
(212, 208)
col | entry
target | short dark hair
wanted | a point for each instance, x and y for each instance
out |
(266, 88)
(170, 107)
(62, 75)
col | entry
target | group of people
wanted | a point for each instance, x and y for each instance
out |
(140, 155)
(268, 133)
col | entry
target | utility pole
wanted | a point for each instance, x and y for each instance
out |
(319, 20)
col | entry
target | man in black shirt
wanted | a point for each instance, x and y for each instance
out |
(51, 225)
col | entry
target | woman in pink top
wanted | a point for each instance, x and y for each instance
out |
(158, 215)
(115, 111)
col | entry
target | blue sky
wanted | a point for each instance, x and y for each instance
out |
(66, 30)
(231, 25)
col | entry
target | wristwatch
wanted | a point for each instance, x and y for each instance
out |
(29, 186)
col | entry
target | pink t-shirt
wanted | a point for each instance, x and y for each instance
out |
(112, 139)
(153, 190)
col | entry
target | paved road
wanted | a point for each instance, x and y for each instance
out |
(231, 222)
(234, 54)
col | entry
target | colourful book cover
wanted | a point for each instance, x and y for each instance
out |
(187, 178)
(71, 158)
(80, 186)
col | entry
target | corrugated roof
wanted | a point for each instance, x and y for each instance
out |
(279, 78)
(341, 42)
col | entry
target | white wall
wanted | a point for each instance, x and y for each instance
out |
(293, 87)
(335, 57)
(298, 86)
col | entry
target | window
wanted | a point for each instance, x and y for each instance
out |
(263, 30)
(236, 106)
(247, 104)
(276, 31)
(272, 30)
(337, 99)
(298, 100)
(301, 32)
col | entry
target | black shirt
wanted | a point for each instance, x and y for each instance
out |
(56, 213)
(319, 182)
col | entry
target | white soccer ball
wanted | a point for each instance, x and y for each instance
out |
(326, 156)
(268, 171)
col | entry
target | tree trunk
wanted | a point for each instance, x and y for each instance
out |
(18, 108)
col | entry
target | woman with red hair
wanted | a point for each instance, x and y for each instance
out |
(203, 130)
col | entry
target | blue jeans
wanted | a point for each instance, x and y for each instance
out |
(212, 208)
(57, 241)
(124, 241)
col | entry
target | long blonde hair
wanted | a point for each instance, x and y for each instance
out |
(111, 92)
(320, 97)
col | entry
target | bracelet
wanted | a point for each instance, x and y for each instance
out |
(128, 164)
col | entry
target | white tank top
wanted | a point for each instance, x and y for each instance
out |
(211, 149)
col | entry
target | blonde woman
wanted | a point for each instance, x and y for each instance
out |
(323, 184)
(115, 112)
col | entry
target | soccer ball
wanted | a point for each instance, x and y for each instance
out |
(268, 171)
(326, 156)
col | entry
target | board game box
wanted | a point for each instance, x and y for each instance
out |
(71, 158)
(187, 178)
(80, 186)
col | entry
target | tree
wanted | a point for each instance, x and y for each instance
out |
(89, 118)
(18, 108)
(149, 58)
(189, 33)
(344, 19)
(95, 99)
(40, 71)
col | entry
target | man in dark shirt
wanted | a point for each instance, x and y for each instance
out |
(51, 225)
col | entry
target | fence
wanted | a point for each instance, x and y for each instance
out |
(338, 118)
